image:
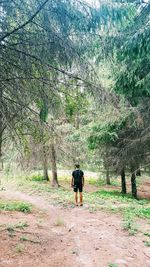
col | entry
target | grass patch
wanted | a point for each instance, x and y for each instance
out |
(113, 265)
(147, 243)
(115, 182)
(59, 222)
(96, 181)
(142, 212)
(21, 225)
(19, 248)
(15, 206)
(35, 178)
(114, 194)
(100, 182)
(10, 228)
(147, 234)
(24, 238)
(130, 227)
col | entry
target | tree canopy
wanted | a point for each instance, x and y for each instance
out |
(75, 80)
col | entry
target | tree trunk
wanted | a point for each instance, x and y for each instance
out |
(54, 167)
(107, 172)
(1, 160)
(0, 143)
(107, 176)
(106, 166)
(133, 182)
(123, 182)
(45, 165)
(1, 132)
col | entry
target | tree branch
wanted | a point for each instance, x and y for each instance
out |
(25, 23)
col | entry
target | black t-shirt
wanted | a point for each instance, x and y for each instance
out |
(77, 175)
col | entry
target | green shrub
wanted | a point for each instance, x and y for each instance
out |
(15, 206)
(35, 178)
(21, 225)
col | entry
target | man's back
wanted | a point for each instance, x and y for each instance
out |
(77, 175)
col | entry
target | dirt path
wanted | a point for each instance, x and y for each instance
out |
(71, 238)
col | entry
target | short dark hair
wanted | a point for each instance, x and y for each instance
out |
(77, 165)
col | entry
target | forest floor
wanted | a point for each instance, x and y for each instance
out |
(40, 226)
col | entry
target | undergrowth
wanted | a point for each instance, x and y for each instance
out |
(15, 206)
(106, 199)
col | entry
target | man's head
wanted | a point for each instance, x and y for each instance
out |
(77, 165)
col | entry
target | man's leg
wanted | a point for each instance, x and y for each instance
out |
(76, 195)
(76, 198)
(81, 196)
(81, 199)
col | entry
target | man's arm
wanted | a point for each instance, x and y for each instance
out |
(72, 182)
(83, 180)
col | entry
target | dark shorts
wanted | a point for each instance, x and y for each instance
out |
(78, 187)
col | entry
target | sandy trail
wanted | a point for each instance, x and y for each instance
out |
(85, 239)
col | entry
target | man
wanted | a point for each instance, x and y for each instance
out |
(77, 183)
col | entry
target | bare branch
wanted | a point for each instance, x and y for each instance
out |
(25, 23)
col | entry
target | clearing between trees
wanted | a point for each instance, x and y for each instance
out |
(40, 226)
